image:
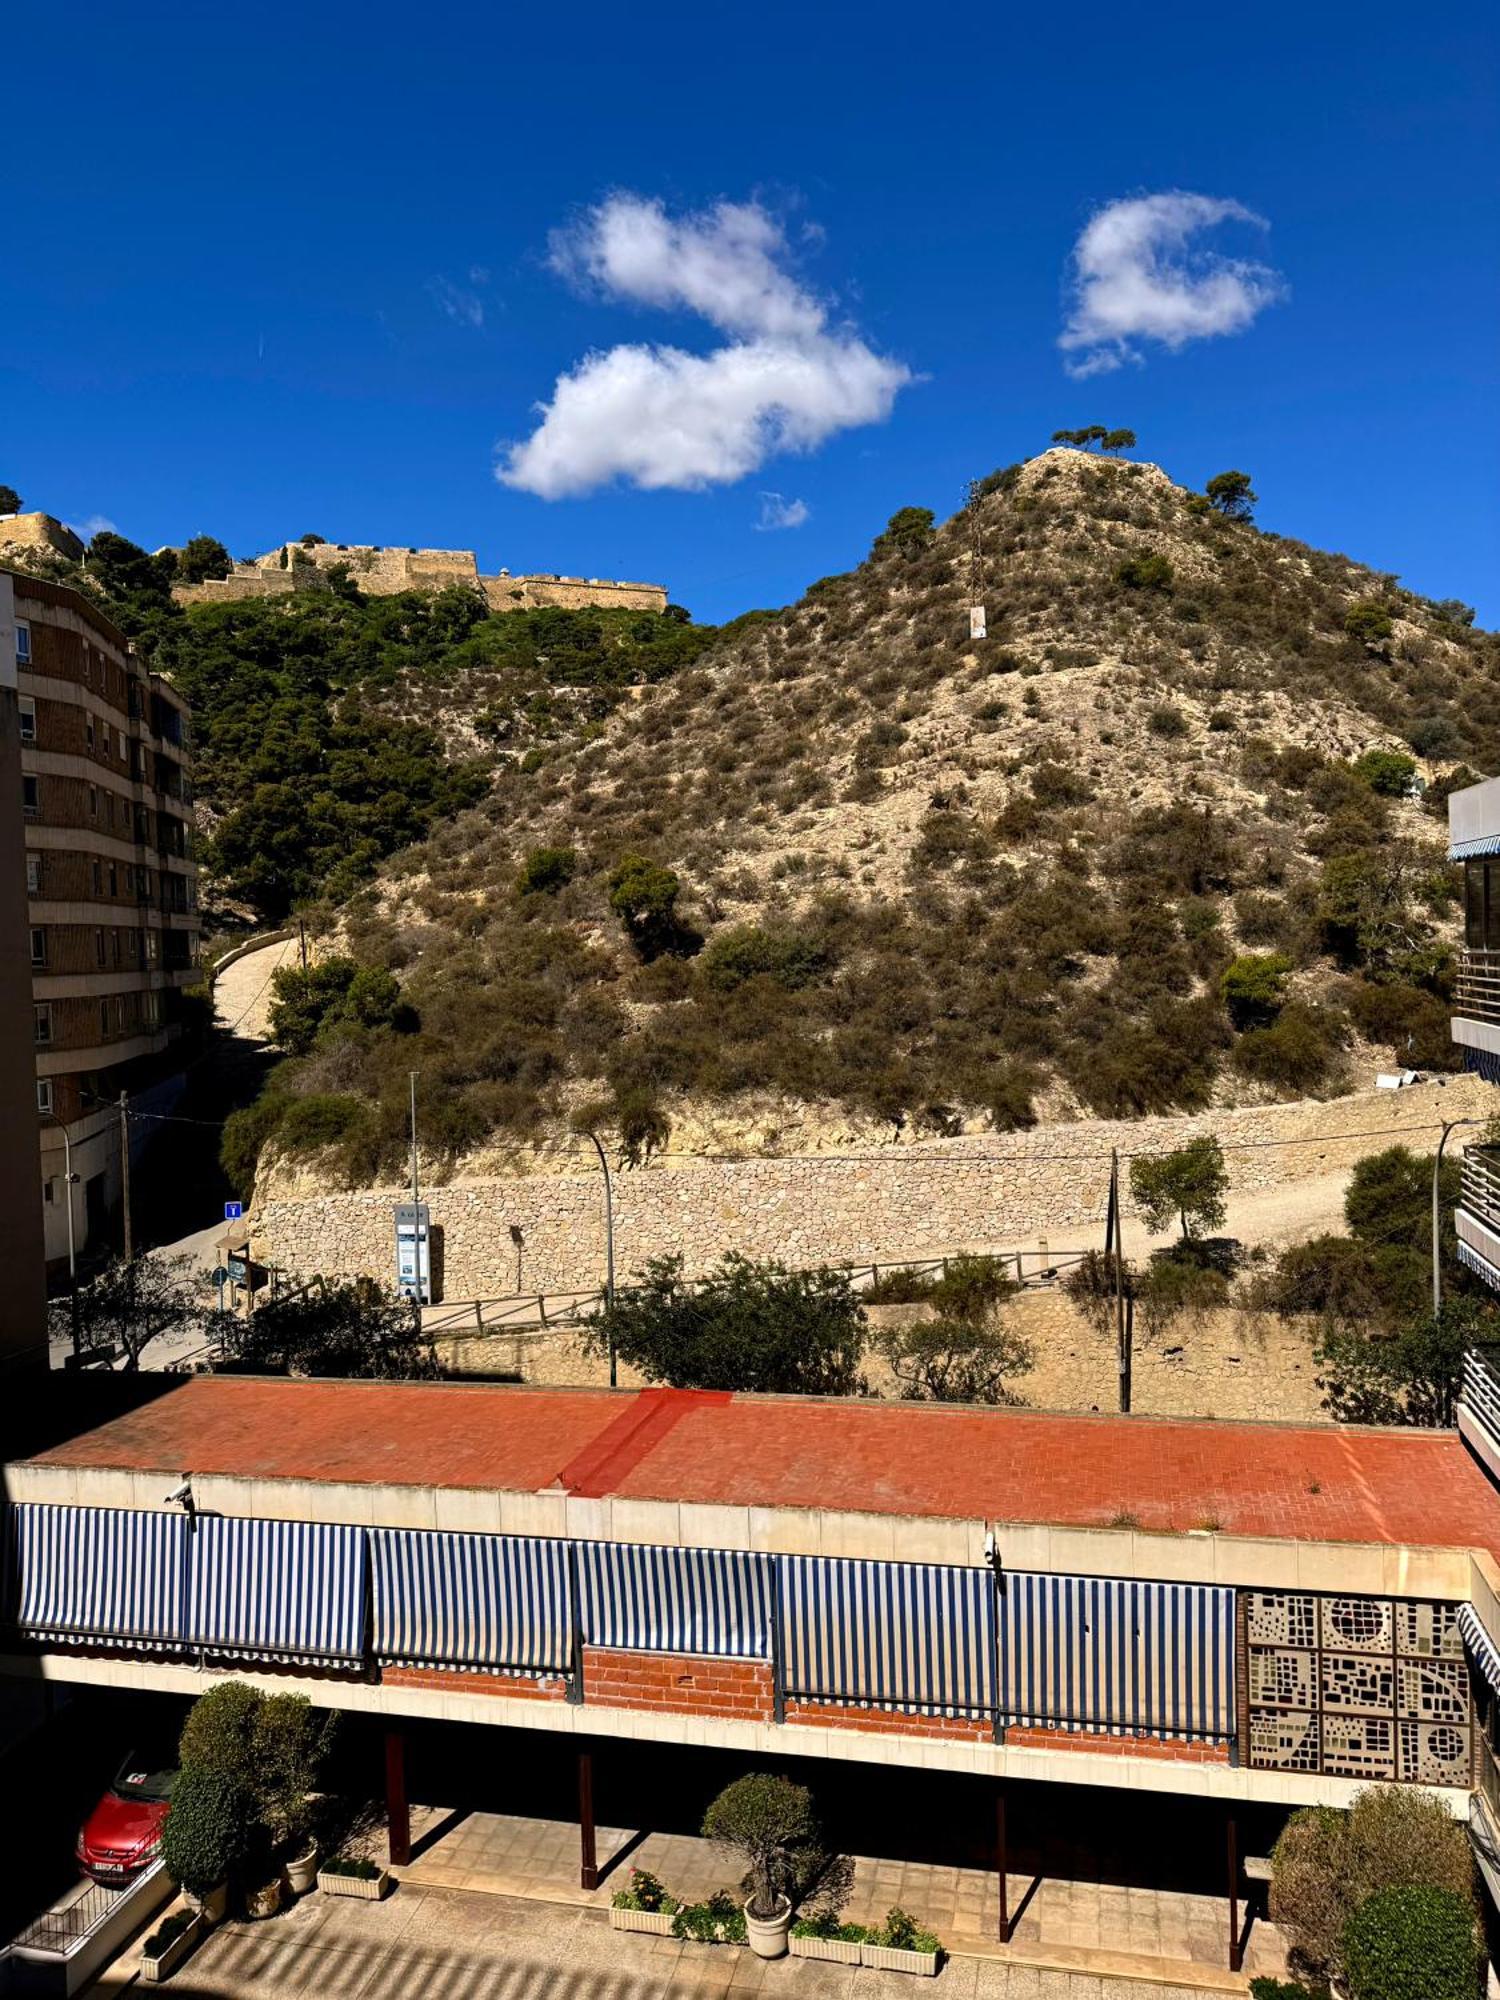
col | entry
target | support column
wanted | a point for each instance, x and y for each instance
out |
(1002, 1863)
(1232, 1856)
(397, 1811)
(588, 1856)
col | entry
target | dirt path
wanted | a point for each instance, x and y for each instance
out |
(242, 991)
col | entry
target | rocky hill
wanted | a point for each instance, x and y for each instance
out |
(1155, 842)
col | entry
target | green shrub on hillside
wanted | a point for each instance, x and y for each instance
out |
(546, 870)
(1254, 987)
(1389, 772)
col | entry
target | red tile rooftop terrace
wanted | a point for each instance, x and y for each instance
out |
(1300, 1482)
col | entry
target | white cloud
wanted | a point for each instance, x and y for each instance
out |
(659, 416)
(1137, 275)
(91, 525)
(776, 511)
(466, 308)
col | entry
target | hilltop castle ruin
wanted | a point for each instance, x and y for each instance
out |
(297, 566)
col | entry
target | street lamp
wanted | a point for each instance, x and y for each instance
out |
(1449, 1125)
(68, 1179)
(609, 1246)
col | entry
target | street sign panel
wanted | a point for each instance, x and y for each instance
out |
(413, 1259)
(234, 1211)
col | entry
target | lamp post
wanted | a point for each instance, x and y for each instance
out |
(1449, 1125)
(609, 1246)
(72, 1248)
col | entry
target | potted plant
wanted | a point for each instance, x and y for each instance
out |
(768, 1823)
(206, 1836)
(901, 1945)
(823, 1936)
(643, 1905)
(169, 1944)
(273, 1746)
(353, 1875)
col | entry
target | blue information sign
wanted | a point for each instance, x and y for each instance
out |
(233, 1211)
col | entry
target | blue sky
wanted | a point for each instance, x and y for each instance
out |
(300, 271)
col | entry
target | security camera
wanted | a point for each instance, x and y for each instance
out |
(181, 1495)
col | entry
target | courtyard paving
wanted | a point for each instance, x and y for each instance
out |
(1146, 1933)
(440, 1944)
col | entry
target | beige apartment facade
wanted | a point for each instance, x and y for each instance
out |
(111, 890)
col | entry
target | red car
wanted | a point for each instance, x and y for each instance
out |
(121, 1834)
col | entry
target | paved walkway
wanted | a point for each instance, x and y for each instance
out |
(1147, 1933)
(445, 1945)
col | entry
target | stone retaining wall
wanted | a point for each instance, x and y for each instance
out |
(992, 1192)
(1219, 1364)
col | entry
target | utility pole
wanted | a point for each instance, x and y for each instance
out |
(412, 1076)
(129, 1236)
(302, 940)
(609, 1250)
(1124, 1320)
(978, 617)
(1449, 1125)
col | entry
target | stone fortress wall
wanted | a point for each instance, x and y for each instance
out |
(996, 1191)
(40, 534)
(383, 572)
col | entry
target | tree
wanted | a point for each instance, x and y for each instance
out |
(1453, 611)
(956, 1360)
(1254, 987)
(202, 557)
(1411, 1376)
(1189, 1183)
(1094, 434)
(1413, 1943)
(1230, 494)
(1118, 441)
(127, 1306)
(769, 1823)
(1326, 1864)
(10, 503)
(271, 1748)
(1150, 570)
(1389, 772)
(546, 870)
(347, 1330)
(643, 895)
(907, 533)
(746, 1326)
(330, 993)
(1368, 622)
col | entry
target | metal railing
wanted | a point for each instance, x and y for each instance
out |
(60, 1929)
(541, 1312)
(1477, 991)
(1481, 1391)
(1480, 1184)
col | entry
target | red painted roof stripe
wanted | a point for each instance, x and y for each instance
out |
(621, 1446)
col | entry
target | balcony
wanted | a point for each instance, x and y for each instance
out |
(1478, 1216)
(1479, 1407)
(1477, 996)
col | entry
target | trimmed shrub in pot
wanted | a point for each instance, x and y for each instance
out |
(643, 1905)
(768, 1823)
(207, 1833)
(1412, 1943)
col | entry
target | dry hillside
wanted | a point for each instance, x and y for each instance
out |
(892, 881)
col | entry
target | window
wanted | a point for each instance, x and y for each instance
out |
(153, 946)
(28, 718)
(99, 947)
(109, 810)
(31, 796)
(44, 1103)
(96, 876)
(103, 1013)
(23, 645)
(38, 945)
(115, 947)
(93, 801)
(33, 874)
(114, 879)
(42, 1014)
(88, 728)
(132, 946)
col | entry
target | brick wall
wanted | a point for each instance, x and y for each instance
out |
(889, 1722)
(683, 1683)
(511, 1687)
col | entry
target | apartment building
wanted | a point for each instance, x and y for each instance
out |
(111, 886)
(939, 1611)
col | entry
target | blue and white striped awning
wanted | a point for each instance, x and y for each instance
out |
(1481, 1645)
(292, 1591)
(1121, 1657)
(1478, 1264)
(1482, 1062)
(98, 1573)
(900, 1635)
(677, 1600)
(498, 1603)
(1471, 850)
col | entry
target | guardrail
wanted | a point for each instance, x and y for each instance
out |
(542, 1312)
(1476, 994)
(1480, 1184)
(65, 1949)
(1481, 1392)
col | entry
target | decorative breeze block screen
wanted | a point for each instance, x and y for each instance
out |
(1357, 1687)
